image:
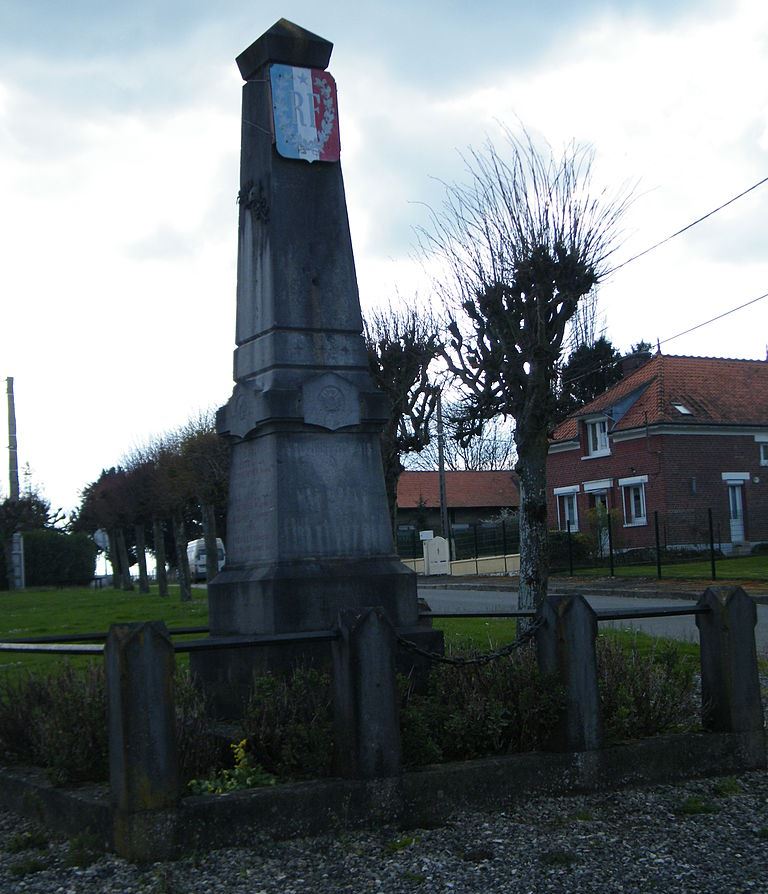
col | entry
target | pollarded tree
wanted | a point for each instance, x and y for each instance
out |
(401, 345)
(518, 247)
(490, 449)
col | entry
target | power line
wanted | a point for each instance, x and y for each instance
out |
(688, 226)
(718, 317)
(608, 364)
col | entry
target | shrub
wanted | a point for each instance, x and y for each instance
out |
(581, 549)
(644, 694)
(59, 722)
(288, 721)
(52, 558)
(496, 708)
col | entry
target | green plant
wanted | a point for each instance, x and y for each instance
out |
(400, 844)
(36, 727)
(288, 721)
(558, 858)
(244, 774)
(83, 850)
(726, 787)
(198, 748)
(503, 706)
(33, 839)
(52, 558)
(644, 693)
(27, 866)
(694, 805)
(763, 832)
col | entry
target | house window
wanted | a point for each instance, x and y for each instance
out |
(764, 454)
(567, 508)
(597, 438)
(633, 500)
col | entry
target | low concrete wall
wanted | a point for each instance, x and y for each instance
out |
(416, 798)
(509, 564)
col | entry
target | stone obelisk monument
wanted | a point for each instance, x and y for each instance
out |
(308, 529)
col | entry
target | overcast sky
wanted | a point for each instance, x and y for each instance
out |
(119, 143)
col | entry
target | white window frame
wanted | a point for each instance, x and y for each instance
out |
(599, 429)
(627, 485)
(564, 493)
(764, 454)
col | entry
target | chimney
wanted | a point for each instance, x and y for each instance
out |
(630, 362)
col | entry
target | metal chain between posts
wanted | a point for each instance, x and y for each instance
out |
(525, 637)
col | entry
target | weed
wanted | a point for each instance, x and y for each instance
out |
(400, 844)
(726, 787)
(288, 721)
(83, 850)
(644, 693)
(694, 805)
(416, 877)
(558, 858)
(763, 833)
(28, 866)
(35, 839)
(477, 710)
(583, 816)
(243, 775)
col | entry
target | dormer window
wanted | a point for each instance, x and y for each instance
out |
(682, 409)
(597, 438)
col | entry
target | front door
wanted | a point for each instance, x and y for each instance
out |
(736, 512)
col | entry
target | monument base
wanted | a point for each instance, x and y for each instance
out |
(226, 675)
(297, 597)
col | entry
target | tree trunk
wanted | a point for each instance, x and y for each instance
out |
(534, 554)
(211, 546)
(182, 565)
(159, 538)
(114, 560)
(125, 564)
(141, 552)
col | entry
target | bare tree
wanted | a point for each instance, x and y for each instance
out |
(401, 345)
(518, 247)
(491, 449)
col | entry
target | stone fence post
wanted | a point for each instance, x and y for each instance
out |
(730, 683)
(143, 758)
(366, 710)
(565, 646)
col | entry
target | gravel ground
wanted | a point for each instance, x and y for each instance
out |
(701, 836)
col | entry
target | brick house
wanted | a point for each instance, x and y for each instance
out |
(677, 436)
(472, 497)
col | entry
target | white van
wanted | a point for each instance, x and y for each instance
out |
(196, 557)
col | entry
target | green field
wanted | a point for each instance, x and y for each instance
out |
(741, 568)
(83, 610)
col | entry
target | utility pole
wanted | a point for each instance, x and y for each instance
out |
(13, 457)
(446, 531)
(16, 552)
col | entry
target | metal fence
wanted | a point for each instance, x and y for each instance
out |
(693, 543)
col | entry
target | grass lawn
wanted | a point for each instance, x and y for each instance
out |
(84, 610)
(740, 568)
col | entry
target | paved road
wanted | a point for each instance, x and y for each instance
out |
(684, 628)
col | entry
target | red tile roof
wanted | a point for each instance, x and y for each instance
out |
(716, 392)
(462, 489)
